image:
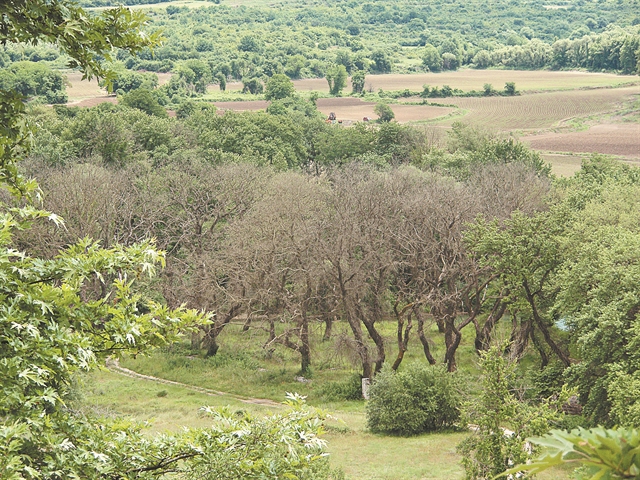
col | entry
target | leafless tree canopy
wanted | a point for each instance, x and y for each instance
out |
(286, 251)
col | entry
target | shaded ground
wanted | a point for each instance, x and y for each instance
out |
(612, 139)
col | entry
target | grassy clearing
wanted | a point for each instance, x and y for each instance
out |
(243, 367)
(359, 453)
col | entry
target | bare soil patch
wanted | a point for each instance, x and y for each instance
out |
(93, 101)
(78, 89)
(612, 139)
(351, 109)
(474, 80)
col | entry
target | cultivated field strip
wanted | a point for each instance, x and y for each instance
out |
(541, 110)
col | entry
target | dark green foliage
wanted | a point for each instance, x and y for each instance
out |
(278, 87)
(421, 398)
(384, 112)
(610, 454)
(357, 81)
(127, 81)
(145, 100)
(348, 389)
(253, 86)
(337, 79)
(510, 88)
(490, 449)
(34, 80)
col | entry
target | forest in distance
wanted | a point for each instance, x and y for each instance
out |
(415, 291)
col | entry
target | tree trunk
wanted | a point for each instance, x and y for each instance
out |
(483, 335)
(520, 334)
(422, 336)
(403, 341)
(452, 339)
(356, 328)
(328, 328)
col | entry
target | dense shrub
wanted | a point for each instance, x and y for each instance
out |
(422, 398)
(348, 389)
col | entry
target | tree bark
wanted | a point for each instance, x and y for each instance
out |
(422, 336)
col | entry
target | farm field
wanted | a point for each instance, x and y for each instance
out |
(541, 110)
(611, 139)
(352, 109)
(474, 80)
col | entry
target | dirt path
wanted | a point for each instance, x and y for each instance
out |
(114, 366)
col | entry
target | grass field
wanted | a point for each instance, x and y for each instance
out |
(468, 79)
(243, 367)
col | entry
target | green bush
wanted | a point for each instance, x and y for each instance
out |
(422, 398)
(349, 389)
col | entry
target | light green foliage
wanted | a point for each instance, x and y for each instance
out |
(278, 87)
(85, 38)
(67, 314)
(598, 295)
(501, 423)
(431, 58)
(337, 79)
(262, 138)
(469, 147)
(420, 398)
(127, 81)
(384, 112)
(357, 81)
(604, 454)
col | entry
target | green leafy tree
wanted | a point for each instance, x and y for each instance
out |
(601, 453)
(34, 80)
(337, 79)
(145, 100)
(501, 423)
(381, 62)
(357, 81)
(431, 58)
(279, 86)
(253, 86)
(67, 314)
(384, 112)
(421, 398)
(510, 88)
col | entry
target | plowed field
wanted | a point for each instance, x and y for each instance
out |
(541, 110)
(353, 109)
(613, 139)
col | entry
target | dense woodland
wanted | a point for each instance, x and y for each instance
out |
(284, 223)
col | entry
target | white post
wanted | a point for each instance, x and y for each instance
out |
(365, 388)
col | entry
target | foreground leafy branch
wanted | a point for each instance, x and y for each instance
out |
(610, 454)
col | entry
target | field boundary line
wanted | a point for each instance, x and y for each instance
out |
(114, 366)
